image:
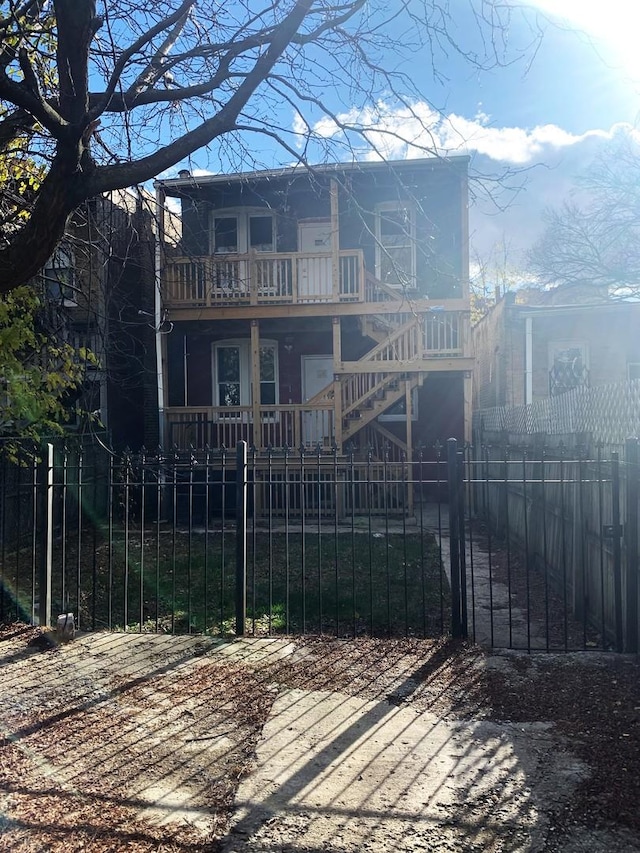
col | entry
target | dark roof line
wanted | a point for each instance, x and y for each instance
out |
(456, 161)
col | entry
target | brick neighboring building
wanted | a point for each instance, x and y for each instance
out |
(101, 290)
(535, 344)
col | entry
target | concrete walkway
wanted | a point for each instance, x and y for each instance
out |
(145, 727)
(491, 621)
(337, 773)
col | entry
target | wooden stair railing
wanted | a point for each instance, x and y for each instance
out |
(366, 395)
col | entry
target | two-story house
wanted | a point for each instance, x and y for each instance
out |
(325, 306)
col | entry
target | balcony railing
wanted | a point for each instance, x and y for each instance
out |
(446, 334)
(275, 426)
(263, 279)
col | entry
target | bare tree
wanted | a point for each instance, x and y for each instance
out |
(493, 274)
(594, 239)
(103, 94)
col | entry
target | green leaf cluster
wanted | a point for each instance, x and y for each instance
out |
(37, 372)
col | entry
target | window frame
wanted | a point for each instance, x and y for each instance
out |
(381, 209)
(243, 217)
(61, 263)
(556, 346)
(244, 360)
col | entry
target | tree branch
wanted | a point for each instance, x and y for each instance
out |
(124, 174)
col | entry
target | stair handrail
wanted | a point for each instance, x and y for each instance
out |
(372, 355)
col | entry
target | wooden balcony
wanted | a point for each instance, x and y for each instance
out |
(293, 278)
(356, 395)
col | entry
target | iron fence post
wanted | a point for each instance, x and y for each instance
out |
(46, 557)
(454, 536)
(631, 544)
(241, 537)
(462, 547)
(617, 550)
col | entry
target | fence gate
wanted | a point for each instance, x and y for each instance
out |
(544, 547)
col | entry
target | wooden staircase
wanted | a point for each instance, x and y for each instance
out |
(367, 394)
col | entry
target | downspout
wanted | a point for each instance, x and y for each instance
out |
(158, 313)
(528, 360)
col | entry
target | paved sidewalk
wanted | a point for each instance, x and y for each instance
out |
(336, 773)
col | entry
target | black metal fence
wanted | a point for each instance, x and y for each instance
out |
(510, 547)
(288, 541)
(550, 545)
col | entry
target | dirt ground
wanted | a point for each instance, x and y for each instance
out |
(159, 743)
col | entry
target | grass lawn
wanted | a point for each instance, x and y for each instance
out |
(321, 582)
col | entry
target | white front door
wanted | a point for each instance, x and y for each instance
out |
(314, 235)
(317, 373)
(314, 273)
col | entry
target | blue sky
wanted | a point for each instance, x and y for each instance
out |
(552, 117)
(547, 114)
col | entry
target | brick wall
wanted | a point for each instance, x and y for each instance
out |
(607, 333)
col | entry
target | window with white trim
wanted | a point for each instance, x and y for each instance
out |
(59, 277)
(396, 244)
(240, 231)
(232, 373)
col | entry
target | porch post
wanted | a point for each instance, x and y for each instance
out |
(256, 431)
(467, 385)
(335, 241)
(409, 410)
(337, 388)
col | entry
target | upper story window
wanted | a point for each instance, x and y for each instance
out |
(396, 244)
(568, 366)
(239, 232)
(59, 277)
(225, 235)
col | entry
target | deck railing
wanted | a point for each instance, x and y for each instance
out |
(293, 425)
(263, 279)
(446, 334)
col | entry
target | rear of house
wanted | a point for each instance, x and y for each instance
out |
(312, 308)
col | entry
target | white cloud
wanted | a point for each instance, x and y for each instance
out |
(416, 130)
(300, 127)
